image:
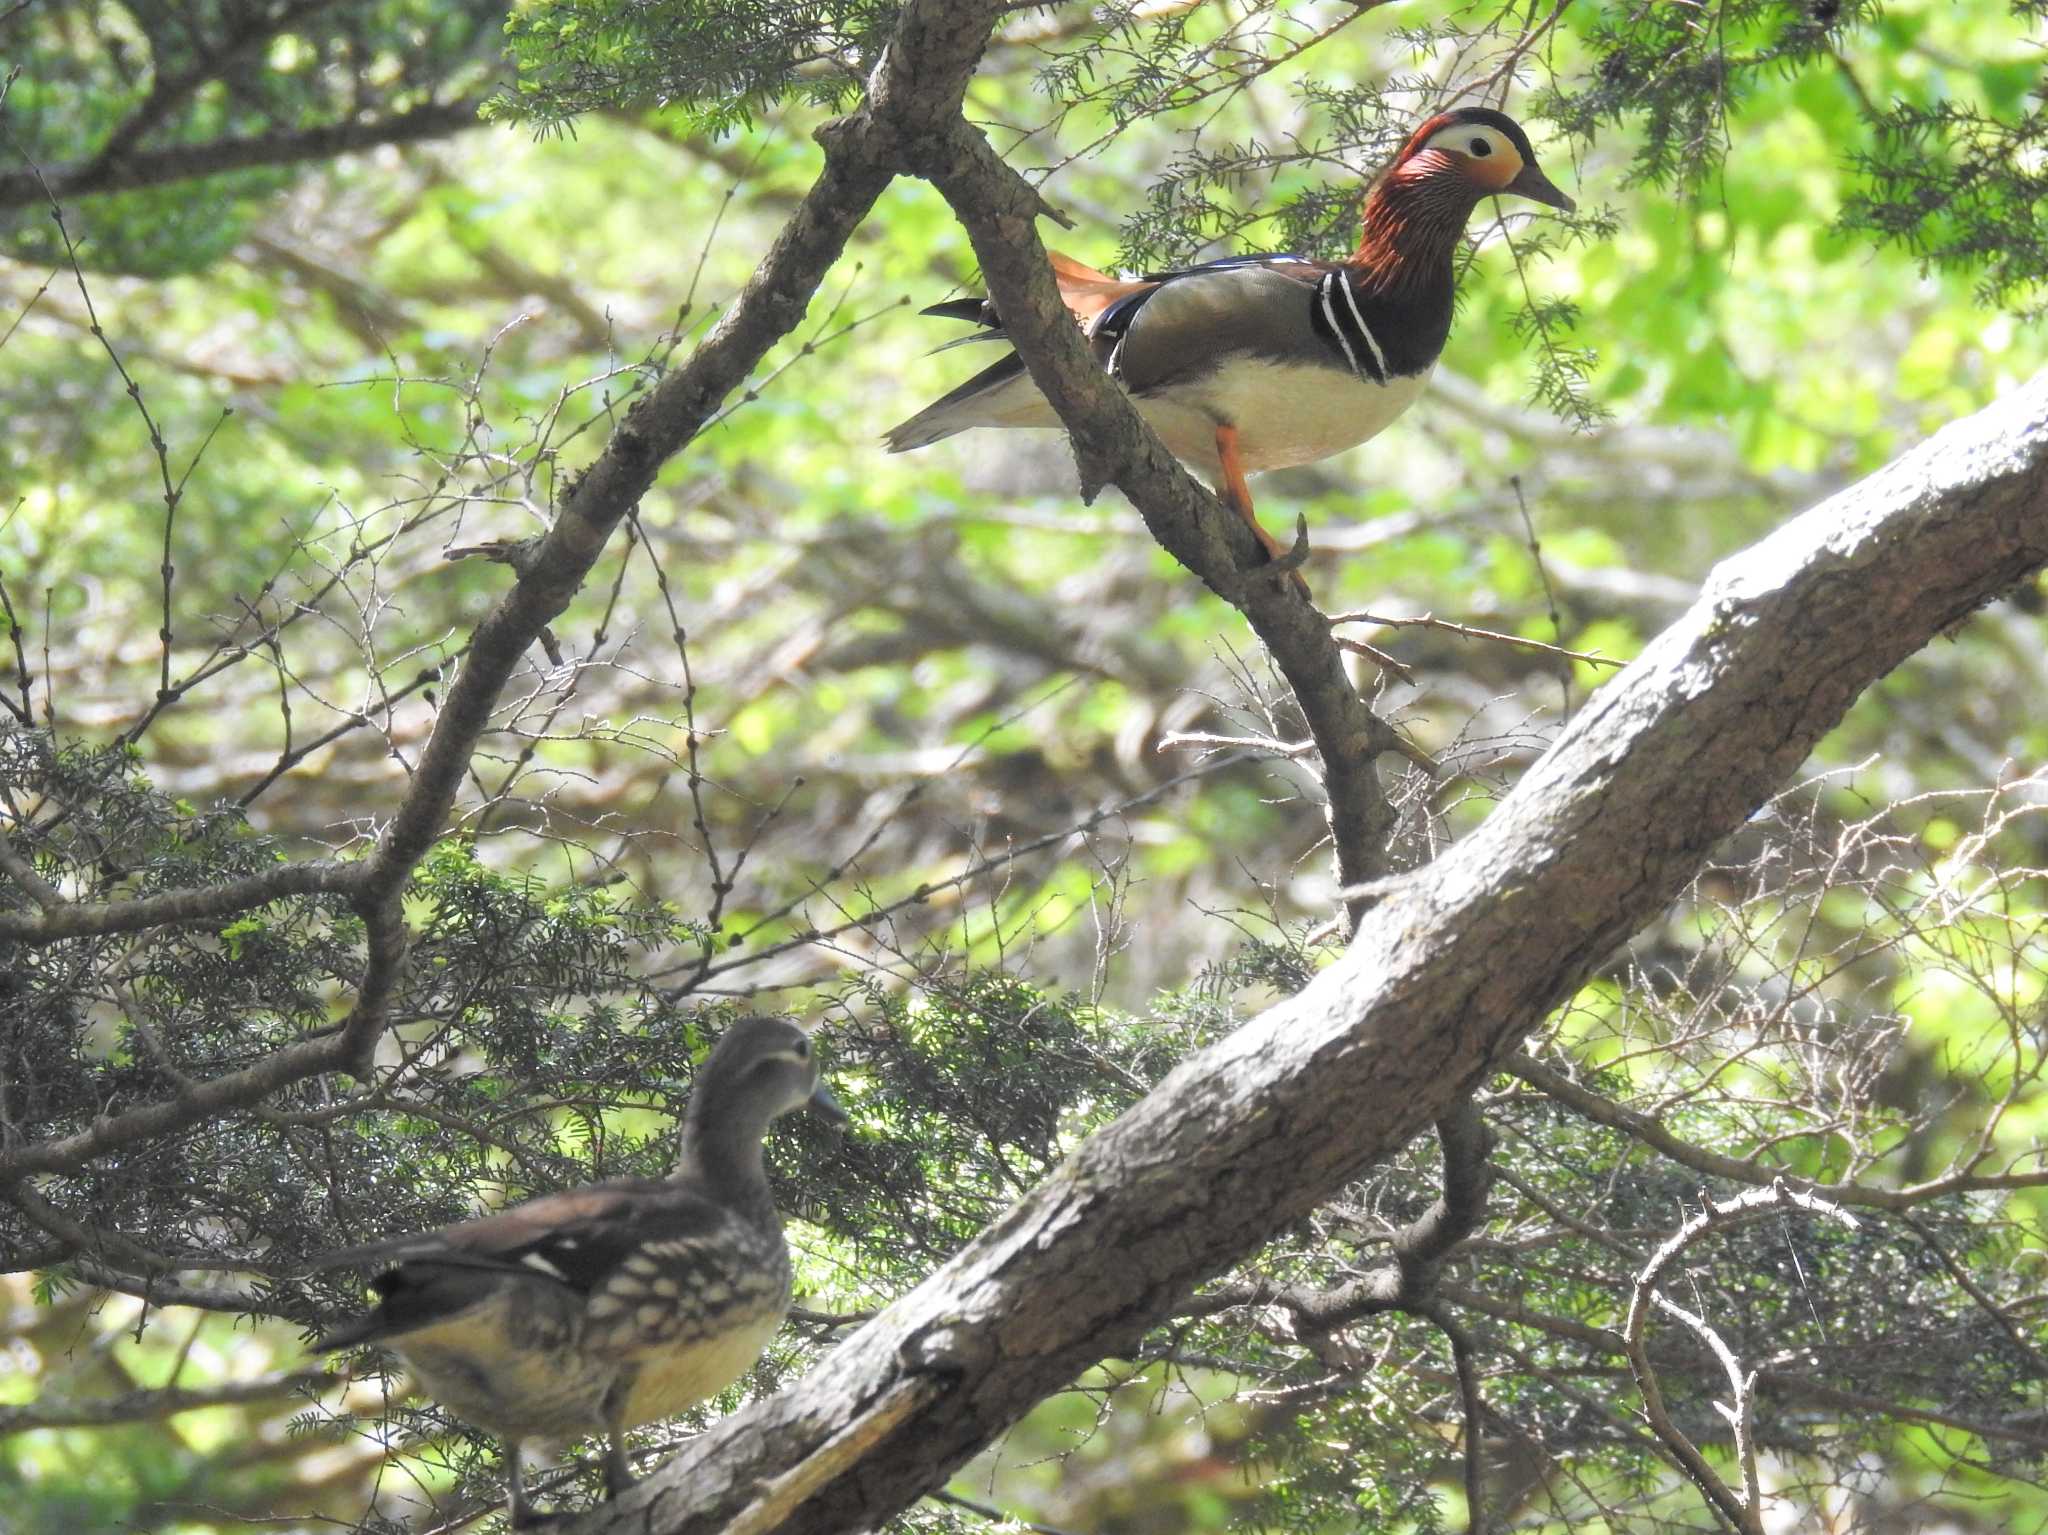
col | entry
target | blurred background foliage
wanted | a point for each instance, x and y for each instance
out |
(924, 744)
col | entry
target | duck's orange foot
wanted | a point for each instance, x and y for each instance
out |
(1238, 493)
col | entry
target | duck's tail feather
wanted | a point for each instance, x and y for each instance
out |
(957, 409)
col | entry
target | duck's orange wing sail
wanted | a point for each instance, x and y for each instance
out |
(1087, 292)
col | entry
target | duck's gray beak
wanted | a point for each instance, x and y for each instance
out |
(1537, 187)
(822, 1103)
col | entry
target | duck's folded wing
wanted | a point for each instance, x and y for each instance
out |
(574, 1242)
(1192, 320)
(1150, 332)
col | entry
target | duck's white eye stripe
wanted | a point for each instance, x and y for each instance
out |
(1351, 302)
(1474, 140)
(1330, 319)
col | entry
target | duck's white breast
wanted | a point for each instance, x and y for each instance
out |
(1285, 413)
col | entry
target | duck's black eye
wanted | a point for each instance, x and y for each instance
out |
(802, 1048)
(1481, 149)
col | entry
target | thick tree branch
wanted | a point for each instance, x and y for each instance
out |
(1453, 966)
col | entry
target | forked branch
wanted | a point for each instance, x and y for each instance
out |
(1743, 1511)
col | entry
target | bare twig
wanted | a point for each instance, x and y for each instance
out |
(1474, 1408)
(993, 1514)
(49, 686)
(158, 1403)
(1430, 621)
(1543, 571)
(290, 756)
(24, 712)
(1264, 746)
(1379, 658)
(34, 298)
(171, 492)
(721, 883)
(979, 869)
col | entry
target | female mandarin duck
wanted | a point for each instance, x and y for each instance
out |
(1262, 362)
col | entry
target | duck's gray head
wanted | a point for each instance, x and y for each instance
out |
(763, 1068)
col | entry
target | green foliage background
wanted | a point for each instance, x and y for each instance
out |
(933, 697)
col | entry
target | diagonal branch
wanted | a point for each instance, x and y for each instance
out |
(1113, 445)
(197, 904)
(658, 426)
(158, 1402)
(1453, 966)
(919, 83)
(191, 162)
(1582, 1100)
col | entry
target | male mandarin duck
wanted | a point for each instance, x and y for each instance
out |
(1263, 362)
